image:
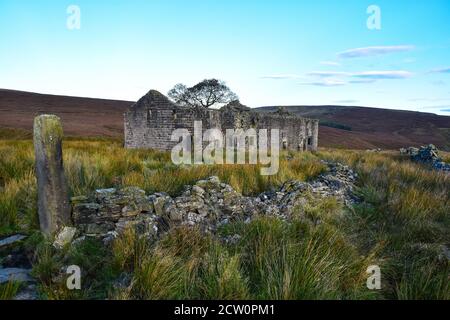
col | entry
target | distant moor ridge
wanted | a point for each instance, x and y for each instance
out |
(340, 126)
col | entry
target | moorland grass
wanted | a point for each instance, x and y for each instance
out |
(91, 165)
(406, 213)
(402, 225)
(9, 290)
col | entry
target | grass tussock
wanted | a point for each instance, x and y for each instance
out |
(273, 260)
(9, 290)
(50, 268)
(406, 213)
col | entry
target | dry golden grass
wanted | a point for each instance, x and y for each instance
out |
(402, 224)
(91, 165)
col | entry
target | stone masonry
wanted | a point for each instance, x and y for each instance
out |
(149, 123)
(207, 204)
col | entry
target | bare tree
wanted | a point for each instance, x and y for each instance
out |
(205, 94)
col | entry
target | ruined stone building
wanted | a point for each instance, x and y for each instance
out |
(149, 123)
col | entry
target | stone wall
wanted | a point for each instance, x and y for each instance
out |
(428, 155)
(207, 204)
(149, 123)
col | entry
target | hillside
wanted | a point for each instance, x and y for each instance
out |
(80, 116)
(346, 127)
(360, 127)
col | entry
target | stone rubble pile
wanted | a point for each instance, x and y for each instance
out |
(109, 211)
(15, 266)
(207, 204)
(427, 155)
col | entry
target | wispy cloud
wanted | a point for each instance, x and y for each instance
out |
(330, 63)
(441, 70)
(281, 76)
(438, 107)
(325, 83)
(362, 81)
(377, 75)
(364, 77)
(429, 99)
(327, 74)
(340, 78)
(373, 51)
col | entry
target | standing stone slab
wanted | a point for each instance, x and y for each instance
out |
(53, 200)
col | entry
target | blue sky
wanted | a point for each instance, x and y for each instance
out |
(268, 52)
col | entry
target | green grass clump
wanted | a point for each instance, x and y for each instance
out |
(300, 260)
(9, 290)
(93, 258)
(273, 260)
(405, 213)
